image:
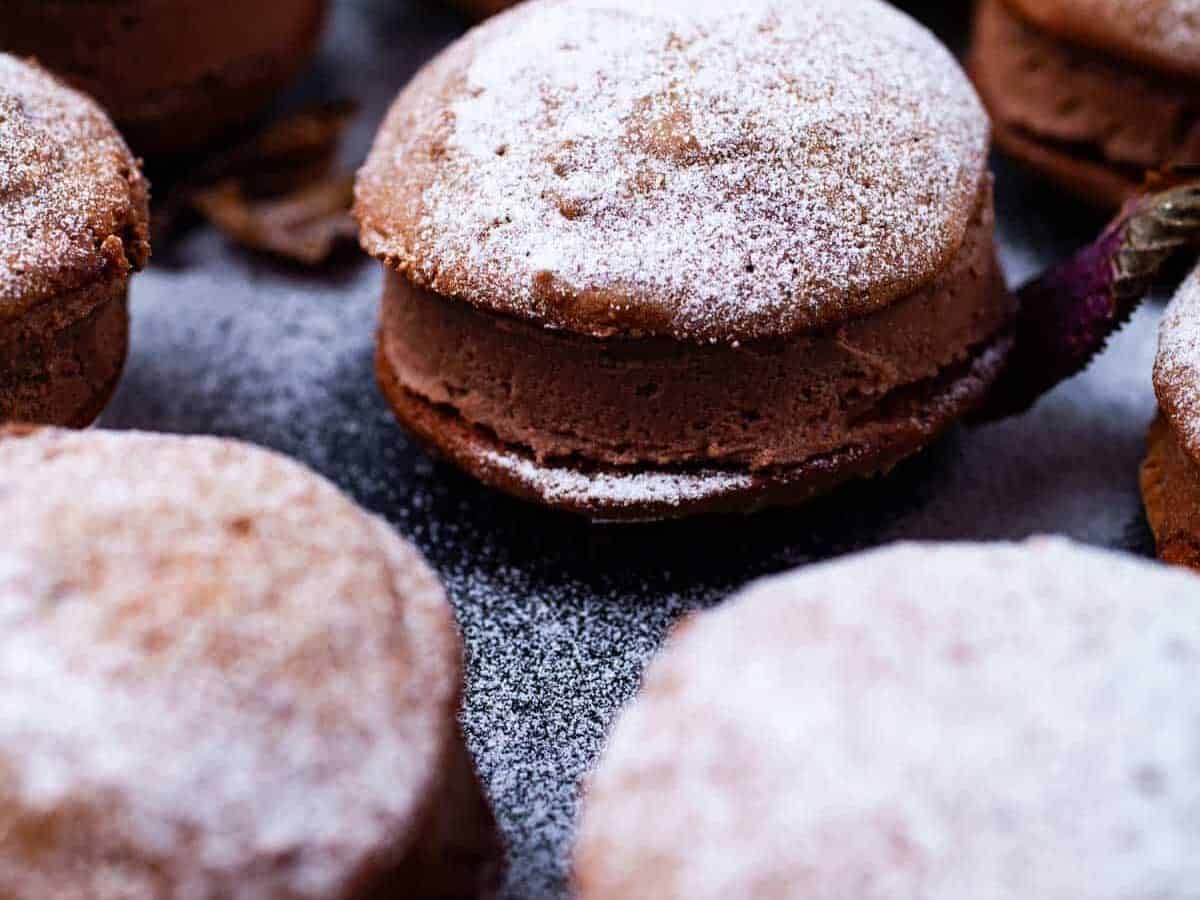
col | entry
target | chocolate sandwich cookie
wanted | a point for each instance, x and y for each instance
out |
(1092, 92)
(173, 74)
(221, 680)
(1170, 475)
(73, 227)
(645, 262)
(985, 721)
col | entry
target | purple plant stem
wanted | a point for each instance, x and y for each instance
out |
(1067, 314)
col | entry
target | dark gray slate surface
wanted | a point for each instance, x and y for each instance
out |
(559, 618)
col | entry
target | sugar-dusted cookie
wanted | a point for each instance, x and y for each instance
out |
(73, 228)
(653, 260)
(221, 680)
(984, 721)
(173, 74)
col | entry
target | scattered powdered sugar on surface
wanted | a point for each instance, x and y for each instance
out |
(707, 172)
(557, 483)
(939, 721)
(1177, 368)
(558, 618)
(61, 170)
(256, 674)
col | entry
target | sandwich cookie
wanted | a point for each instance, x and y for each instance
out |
(1092, 92)
(221, 680)
(73, 228)
(173, 74)
(645, 262)
(985, 721)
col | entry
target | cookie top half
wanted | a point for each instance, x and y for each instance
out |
(935, 721)
(684, 168)
(1177, 365)
(1160, 33)
(218, 677)
(73, 202)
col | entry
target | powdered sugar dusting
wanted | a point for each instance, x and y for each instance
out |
(990, 721)
(682, 167)
(260, 678)
(64, 183)
(1177, 366)
(611, 489)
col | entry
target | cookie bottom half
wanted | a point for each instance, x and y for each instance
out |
(1170, 483)
(644, 494)
(64, 374)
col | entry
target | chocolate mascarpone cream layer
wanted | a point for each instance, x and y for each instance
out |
(1082, 103)
(628, 401)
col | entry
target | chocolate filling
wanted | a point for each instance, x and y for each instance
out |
(662, 403)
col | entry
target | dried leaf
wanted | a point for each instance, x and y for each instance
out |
(274, 193)
(305, 226)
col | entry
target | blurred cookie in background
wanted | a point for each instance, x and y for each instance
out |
(173, 74)
(1092, 92)
(73, 229)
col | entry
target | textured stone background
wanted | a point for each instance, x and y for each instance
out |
(559, 618)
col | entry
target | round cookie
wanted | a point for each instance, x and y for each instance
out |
(1094, 93)
(73, 227)
(173, 74)
(221, 679)
(1170, 476)
(648, 262)
(984, 721)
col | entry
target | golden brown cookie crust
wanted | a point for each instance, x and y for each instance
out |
(1177, 365)
(223, 679)
(739, 180)
(73, 202)
(174, 74)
